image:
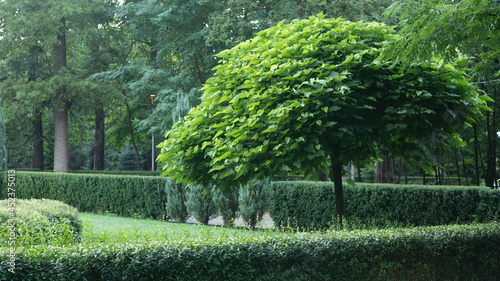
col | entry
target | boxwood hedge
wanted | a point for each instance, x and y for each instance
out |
(119, 194)
(458, 252)
(312, 204)
(38, 221)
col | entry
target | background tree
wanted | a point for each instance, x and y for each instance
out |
(299, 93)
(450, 30)
(252, 201)
(176, 198)
(226, 205)
(3, 139)
(42, 27)
(199, 203)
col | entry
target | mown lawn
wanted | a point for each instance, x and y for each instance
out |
(115, 229)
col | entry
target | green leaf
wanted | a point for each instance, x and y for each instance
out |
(270, 130)
(218, 134)
(351, 182)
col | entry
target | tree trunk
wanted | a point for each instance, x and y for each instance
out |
(38, 160)
(464, 167)
(131, 128)
(60, 113)
(322, 176)
(99, 139)
(384, 171)
(491, 154)
(61, 137)
(423, 176)
(38, 146)
(337, 182)
(458, 169)
(476, 157)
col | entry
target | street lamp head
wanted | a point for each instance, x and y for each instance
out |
(152, 98)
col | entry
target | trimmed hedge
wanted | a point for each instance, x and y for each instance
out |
(39, 221)
(113, 172)
(470, 252)
(124, 195)
(312, 204)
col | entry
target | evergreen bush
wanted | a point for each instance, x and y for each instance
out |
(199, 203)
(39, 221)
(176, 199)
(3, 141)
(252, 201)
(227, 205)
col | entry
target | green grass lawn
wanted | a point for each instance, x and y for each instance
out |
(115, 229)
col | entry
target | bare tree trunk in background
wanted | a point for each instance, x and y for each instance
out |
(131, 128)
(60, 114)
(337, 182)
(458, 169)
(358, 167)
(423, 176)
(38, 147)
(464, 167)
(384, 171)
(476, 157)
(38, 160)
(99, 139)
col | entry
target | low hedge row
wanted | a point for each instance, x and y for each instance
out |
(113, 172)
(38, 221)
(119, 194)
(467, 252)
(312, 204)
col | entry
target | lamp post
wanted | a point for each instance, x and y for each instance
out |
(153, 135)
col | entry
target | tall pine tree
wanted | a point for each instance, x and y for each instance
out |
(3, 140)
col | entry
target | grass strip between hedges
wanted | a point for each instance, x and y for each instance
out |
(457, 252)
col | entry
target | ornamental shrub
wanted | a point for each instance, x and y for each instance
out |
(199, 203)
(252, 201)
(3, 141)
(176, 199)
(38, 221)
(227, 205)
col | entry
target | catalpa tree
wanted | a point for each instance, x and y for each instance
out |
(311, 90)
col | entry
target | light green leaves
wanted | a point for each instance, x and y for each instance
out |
(281, 104)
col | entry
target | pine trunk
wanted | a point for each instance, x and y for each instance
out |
(337, 182)
(38, 146)
(60, 112)
(384, 171)
(99, 139)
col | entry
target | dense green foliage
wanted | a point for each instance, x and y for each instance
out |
(253, 201)
(429, 253)
(227, 205)
(465, 29)
(199, 203)
(124, 195)
(300, 93)
(311, 205)
(3, 141)
(39, 221)
(112, 172)
(175, 206)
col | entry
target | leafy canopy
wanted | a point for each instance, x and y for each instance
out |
(284, 101)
